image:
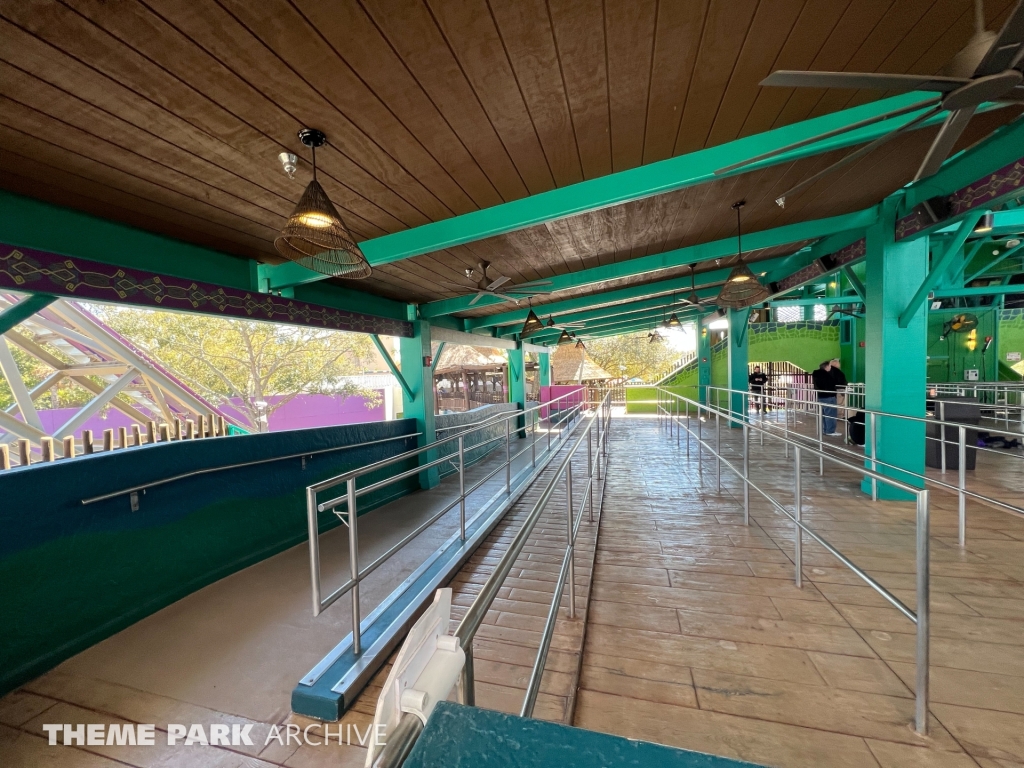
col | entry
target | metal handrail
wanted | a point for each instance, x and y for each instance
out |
(208, 470)
(670, 410)
(349, 517)
(872, 424)
(475, 614)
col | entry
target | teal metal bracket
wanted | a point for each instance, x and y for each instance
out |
(391, 364)
(855, 282)
(281, 279)
(994, 263)
(23, 310)
(437, 357)
(939, 269)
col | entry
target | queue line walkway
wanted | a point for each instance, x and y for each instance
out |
(697, 636)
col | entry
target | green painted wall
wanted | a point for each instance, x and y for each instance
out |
(948, 358)
(1011, 337)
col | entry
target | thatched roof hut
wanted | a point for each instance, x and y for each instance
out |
(572, 366)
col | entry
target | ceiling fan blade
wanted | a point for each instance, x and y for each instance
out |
(1007, 49)
(903, 83)
(866, 149)
(829, 135)
(497, 283)
(950, 131)
(479, 295)
(532, 283)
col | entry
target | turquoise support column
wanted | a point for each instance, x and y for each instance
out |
(544, 369)
(418, 398)
(737, 364)
(517, 381)
(703, 360)
(895, 358)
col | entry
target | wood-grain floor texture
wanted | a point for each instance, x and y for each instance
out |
(697, 636)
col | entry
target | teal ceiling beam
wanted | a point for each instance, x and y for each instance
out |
(994, 263)
(638, 183)
(23, 310)
(391, 365)
(991, 290)
(854, 281)
(716, 249)
(939, 268)
(675, 299)
(649, 319)
(966, 175)
(29, 223)
(827, 301)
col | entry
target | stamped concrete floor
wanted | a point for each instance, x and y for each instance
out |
(697, 636)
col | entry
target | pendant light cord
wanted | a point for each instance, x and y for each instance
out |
(314, 162)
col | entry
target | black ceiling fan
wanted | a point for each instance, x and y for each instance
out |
(989, 68)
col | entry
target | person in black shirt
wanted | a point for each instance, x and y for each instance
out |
(756, 382)
(825, 381)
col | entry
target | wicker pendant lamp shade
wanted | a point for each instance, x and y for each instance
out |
(314, 235)
(742, 288)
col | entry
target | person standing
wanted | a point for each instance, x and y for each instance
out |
(825, 387)
(757, 381)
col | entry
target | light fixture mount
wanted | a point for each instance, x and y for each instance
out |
(312, 138)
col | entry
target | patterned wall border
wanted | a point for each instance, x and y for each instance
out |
(1005, 181)
(25, 269)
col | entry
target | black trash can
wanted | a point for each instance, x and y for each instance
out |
(961, 410)
(855, 428)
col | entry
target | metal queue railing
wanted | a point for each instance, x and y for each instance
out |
(595, 434)
(874, 424)
(400, 743)
(675, 410)
(345, 507)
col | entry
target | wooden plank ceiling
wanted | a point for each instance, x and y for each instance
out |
(169, 114)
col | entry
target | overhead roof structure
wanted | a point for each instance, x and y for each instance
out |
(574, 141)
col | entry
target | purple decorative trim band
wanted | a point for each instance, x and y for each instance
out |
(25, 269)
(853, 252)
(811, 271)
(1005, 181)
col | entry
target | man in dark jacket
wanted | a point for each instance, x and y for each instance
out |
(825, 387)
(757, 381)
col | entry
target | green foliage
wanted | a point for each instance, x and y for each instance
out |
(642, 359)
(224, 359)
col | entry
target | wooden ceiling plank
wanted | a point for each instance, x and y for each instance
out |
(772, 26)
(536, 245)
(886, 37)
(629, 28)
(35, 106)
(530, 45)
(859, 19)
(677, 41)
(813, 26)
(19, 132)
(113, 203)
(724, 33)
(580, 38)
(416, 175)
(357, 40)
(470, 32)
(109, 81)
(410, 30)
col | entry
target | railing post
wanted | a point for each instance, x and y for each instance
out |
(718, 446)
(700, 455)
(572, 555)
(821, 437)
(353, 556)
(798, 539)
(746, 474)
(533, 440)
(874, 458)
(961, 487)
(923, 615)
(466, 680)
(508, 456)
(462, 488)
(590, 471)
(942, 433)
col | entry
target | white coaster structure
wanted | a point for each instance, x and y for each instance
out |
(77, 346)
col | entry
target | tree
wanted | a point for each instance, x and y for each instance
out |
(642, 360)
(245, 361)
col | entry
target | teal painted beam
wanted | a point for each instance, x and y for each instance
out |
(29, 223)
(737, 363)
(991, 290)
(440, 349)
(827, 301)
(23, 310)
(638, 183)
(854, 281)
(939, 269)
(544, 369)
(994, 263)
(391, 364)
(418, 395)
(650, 318)
(716, 249)
(998, 150)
